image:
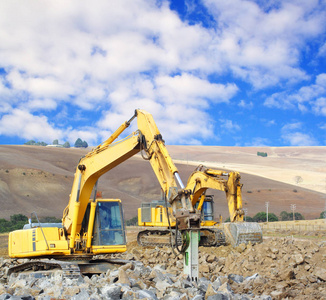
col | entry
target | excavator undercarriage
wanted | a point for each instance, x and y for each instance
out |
(159, 237)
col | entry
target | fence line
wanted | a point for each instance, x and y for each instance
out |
(294, 225)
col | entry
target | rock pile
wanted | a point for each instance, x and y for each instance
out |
(277, 269)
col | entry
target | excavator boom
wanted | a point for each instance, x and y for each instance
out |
(83, 229)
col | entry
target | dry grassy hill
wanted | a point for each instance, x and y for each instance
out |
(40, 178)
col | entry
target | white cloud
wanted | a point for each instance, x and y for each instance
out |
(322, 50)
(229, 125)
(95, 57)
(295, 135)
(106, 59)
(319, 106)
(305, 99)
(44, 104)
(299, 139)
(292, 126)
(261, 46)
(189, 89)
(22, 123)
(270, 123)
(246, 105)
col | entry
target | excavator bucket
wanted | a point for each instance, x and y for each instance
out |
(243, 233)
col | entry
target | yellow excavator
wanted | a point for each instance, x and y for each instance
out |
(159, 225)
(96, 226)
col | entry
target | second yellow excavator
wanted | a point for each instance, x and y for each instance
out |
(159, 226)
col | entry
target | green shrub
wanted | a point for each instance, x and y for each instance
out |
(18, 221)
(262, 154)
(261, 217)
(132, 222)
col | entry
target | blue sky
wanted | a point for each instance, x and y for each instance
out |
(212, 72)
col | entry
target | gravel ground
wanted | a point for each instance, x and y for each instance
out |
(279, 268)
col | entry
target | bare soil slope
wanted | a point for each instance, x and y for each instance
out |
(303, 166)
(40, 178)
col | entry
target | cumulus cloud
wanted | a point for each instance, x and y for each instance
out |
(28, 126)
(307, 98)
(295, 135)
(229, 125)
(246, 105)
(319, 106)
(189, 89)
(109, 58)
(106, 59)
(261, 45)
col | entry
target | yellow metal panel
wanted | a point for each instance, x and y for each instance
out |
(31, 242)
(140, 223)
(109, 249)
(20, 241)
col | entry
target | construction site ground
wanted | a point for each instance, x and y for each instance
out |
(289, 264)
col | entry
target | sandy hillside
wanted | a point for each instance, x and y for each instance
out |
(299, 166)
(40, 178)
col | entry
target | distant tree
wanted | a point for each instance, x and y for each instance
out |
(78, 143)
(15, 222)
(66, 145)
(261, 217)
(272, 217)
(50, 220)
(285, 216)
(33, 143)
(132, 222)
(322, 215)
(41, 144)
(81, 144)
(262, 154)
(18, 218)
(55, 142)
(248, 219)
(288, 216)
(298, 216)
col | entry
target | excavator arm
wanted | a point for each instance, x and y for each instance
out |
(237, 231)
(199, 181)
(83, 231)
(110, 154)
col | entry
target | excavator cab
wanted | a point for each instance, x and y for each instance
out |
(207, 211)
(108, 228)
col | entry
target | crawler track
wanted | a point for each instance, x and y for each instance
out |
(69, 269)
(209, 237)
